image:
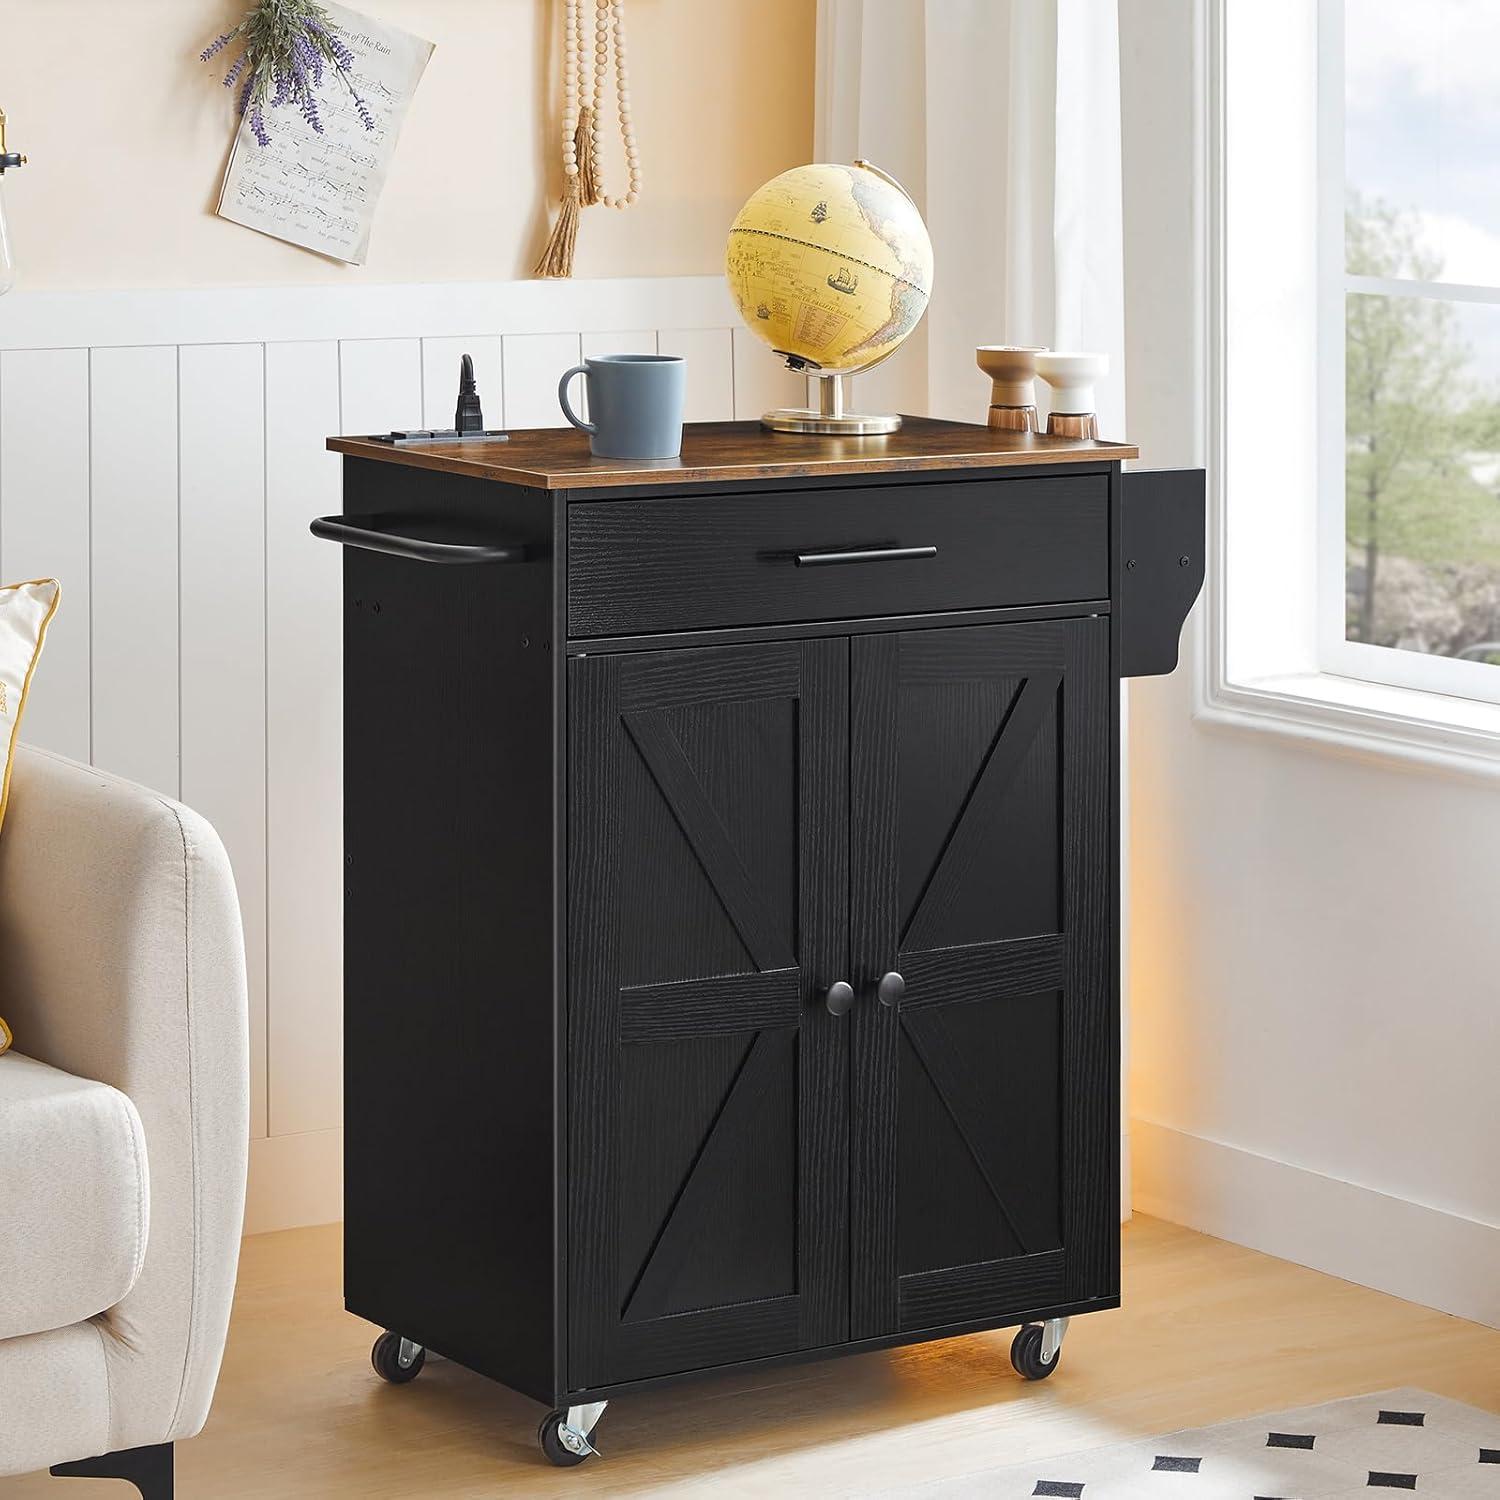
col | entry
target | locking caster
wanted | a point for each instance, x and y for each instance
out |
(397, 1359)
(1036, 1348)
(566, 1436)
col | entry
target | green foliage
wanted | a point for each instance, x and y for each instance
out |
(1414, 419)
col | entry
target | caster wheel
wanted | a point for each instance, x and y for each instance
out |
(386, 1357)
(1026, 1354)
(549, 1435)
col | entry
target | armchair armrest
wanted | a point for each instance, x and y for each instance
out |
(124, 962)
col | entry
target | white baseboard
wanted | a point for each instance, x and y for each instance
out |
(1411, 1250)
(295, 1180)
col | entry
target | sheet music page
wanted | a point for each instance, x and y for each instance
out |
(320, 191)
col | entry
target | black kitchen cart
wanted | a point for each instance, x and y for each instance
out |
(731, 907)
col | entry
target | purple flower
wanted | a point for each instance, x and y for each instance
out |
(310, 58)
(306, 46)
(310, 111)
(342, 56)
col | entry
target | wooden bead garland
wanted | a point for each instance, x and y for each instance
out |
(583, 105)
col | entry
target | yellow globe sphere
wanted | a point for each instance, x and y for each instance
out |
(830, 265)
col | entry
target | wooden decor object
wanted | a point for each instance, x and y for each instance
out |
(583, 181)
(749, 903)
(1012, 372)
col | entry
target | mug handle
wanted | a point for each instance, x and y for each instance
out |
(562, 396)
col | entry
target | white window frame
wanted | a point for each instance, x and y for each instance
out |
(1273, 654)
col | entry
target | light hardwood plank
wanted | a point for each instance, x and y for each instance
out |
(133, 427)
(1209, 1331)
(44, 527)
(304, 746)
(224, 637)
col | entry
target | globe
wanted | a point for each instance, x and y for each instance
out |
(830, 265)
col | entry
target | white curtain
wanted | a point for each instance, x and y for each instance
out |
(1002, 119)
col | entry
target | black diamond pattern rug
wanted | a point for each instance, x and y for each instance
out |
(1365, 1446)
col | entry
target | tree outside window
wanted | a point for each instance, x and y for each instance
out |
(1422, 479)
(1421, 135)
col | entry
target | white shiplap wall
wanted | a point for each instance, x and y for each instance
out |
(162, 453)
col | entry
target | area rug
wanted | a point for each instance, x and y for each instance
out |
(1406, 1440)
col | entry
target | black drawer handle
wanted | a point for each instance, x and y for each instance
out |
(863, 554)
(419, 548)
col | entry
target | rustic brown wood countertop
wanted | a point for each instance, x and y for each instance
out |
(558, 458)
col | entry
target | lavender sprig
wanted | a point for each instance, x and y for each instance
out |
(312, 62)
(286, 46)
(342, 56)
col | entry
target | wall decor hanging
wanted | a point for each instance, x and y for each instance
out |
(313, 174)
(285, 46)
(592, 50)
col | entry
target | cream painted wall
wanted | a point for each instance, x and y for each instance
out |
(128, 135)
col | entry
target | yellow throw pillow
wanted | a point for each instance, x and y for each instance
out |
(26, 610)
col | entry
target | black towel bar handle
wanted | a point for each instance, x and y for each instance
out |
(863, 555)
(419, 548)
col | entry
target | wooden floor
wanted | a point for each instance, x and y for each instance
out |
(1208, 1331)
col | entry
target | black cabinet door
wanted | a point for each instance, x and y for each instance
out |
(984, 1125)
(707, 916)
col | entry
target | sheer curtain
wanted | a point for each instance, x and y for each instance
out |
(1002, 119)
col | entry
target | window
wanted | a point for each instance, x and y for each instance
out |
(1409, 309)
(1352, 149)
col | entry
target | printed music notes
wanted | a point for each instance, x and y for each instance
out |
(320, 191)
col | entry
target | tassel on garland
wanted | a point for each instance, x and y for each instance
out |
(589, 186)
(557, 258)
(582, 190)
(583, 180)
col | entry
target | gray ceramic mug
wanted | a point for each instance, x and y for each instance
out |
(635, 401)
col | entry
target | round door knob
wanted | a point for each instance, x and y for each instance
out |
(839, 998)
(892, 989)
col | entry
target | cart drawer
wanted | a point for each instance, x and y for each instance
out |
(699, 561)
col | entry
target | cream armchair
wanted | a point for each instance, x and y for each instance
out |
(123, 1123)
